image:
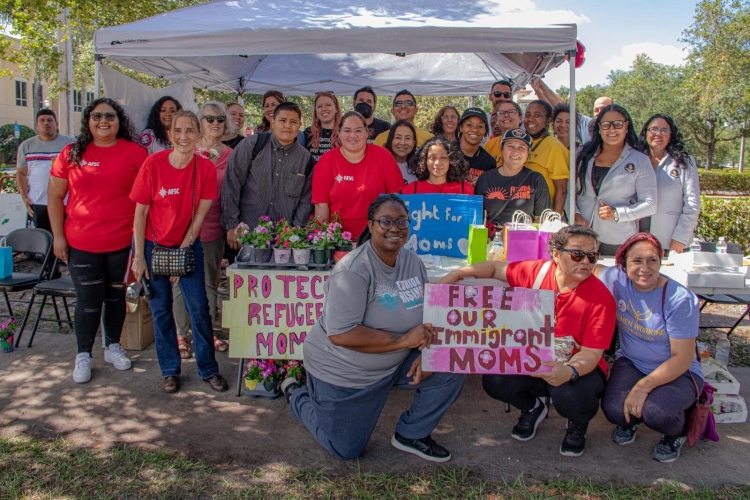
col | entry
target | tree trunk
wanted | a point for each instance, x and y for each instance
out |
(37, 100)
(711, 143)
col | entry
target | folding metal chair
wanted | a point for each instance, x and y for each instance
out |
(727, 299)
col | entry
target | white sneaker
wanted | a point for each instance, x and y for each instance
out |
(82, 371)
(116, 355)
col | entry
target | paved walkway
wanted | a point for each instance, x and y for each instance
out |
(39, 398)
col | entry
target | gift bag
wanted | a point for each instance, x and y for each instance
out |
(6, 260)
(550, 223)
(477, 243)
(520, 238)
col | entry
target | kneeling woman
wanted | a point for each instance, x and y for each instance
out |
(585, 322)
(656, 376)
(368, 340)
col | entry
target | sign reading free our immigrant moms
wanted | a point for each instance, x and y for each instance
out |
(488, 329)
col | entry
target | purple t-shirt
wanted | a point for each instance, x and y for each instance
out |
(646, 326)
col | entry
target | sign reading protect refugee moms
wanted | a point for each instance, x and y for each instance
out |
(489, 329)
(270, 312)
(440, 222)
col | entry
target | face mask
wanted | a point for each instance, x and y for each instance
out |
(363, 109)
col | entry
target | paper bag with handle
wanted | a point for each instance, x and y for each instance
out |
(520, 238)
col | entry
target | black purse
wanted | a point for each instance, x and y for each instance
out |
(175, 261)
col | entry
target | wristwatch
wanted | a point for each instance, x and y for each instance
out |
(575, 375)
(616, 216)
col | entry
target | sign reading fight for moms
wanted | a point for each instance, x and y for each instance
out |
(489, 329)
(270, 312)
(440, 222)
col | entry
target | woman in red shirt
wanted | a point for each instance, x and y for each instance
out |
(96, 173)
(584, 325)
(347, 179)
(440, 168)
(173, 193)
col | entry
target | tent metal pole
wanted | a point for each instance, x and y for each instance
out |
(97, 66)
(572, 144)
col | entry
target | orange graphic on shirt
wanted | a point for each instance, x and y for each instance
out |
(497, 194)
(516, 193)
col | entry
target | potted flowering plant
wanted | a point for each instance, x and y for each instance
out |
(7, 334)
(342, 240)
(256, 242)
(321, 244)
(300, 243)
(262, 378)
(282, 251)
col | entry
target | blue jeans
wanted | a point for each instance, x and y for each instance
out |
(194, 292)
(342, 419)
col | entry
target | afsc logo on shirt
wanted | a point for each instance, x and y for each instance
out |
(85, 163)
(166, 192)
(340, 178)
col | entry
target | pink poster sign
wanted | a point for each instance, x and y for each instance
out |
(489, 329)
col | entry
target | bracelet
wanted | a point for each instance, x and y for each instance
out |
(137, 259)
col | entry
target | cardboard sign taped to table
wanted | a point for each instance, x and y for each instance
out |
(440, 223)
(488, 329)
(270, 312)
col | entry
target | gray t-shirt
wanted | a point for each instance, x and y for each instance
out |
(363, 290)
(37, 156)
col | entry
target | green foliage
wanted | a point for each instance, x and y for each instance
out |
(724, 181)
(9, 184)
(725, 217)
(9, 144)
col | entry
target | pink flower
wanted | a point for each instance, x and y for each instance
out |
(346, 235)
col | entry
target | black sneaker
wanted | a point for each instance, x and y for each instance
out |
(575, 440)
(529, 420)
(625, 435)
(668, 449)
(288, 386)
(425, 448)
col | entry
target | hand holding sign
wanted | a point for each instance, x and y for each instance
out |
(419, 337)
(559, 375)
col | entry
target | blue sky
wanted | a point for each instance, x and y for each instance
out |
(614, 32)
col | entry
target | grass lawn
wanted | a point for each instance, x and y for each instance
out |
(35, 469)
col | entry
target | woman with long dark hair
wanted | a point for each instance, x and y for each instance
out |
(155, 137)
(323, 135)
(96, 173)
(368, 340)
(446, 123)
(676, 183)
(440, 168)
(402, 143)
(615, 183)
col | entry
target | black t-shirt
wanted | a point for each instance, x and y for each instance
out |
(527, 191)
(376, 128)
(324, 145)
(480, 163)
(598, 173)
(232, 143)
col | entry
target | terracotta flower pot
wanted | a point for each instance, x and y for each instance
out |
(282, 255)
(301, 255)
(340, 252)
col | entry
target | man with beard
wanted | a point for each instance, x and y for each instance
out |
(547, 155)
(365, 103)
(405, 108)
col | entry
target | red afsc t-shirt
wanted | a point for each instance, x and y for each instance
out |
(586, 313)
(349, 188)
(169, 192)
(426, 187)
(99, 212)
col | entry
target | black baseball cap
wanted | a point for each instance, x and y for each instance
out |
(478, 112)
(518, 134)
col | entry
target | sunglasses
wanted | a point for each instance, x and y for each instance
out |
(507, 95)
(108, 116)
(398, 104)
(211, 118)
(386, 224)
(618, 124)
(657, 130)
(578, 255)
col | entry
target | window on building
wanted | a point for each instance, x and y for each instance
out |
(77, 107)
(89, 98)
(21, 95)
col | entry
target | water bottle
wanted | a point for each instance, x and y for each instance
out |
(496, 251)
(721, 245)
(722, 351)
(695, 246)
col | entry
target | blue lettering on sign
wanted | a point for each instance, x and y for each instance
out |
(440, 222)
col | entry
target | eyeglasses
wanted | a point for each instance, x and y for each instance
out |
(509, 113)
(657, 130)
(108, 116)
(386, 224)
(618, 124)
(507, 95)
(353, 131)
(398, 104)
(446, 118)
(578, 255)
(211, 118)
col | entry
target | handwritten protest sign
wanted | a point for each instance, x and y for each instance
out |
(440, 222)
(270, 312)
(489, 329)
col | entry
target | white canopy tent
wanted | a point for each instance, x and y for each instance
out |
(305, 46)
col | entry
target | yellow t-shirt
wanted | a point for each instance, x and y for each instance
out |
(548, 156)
(422, 137)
